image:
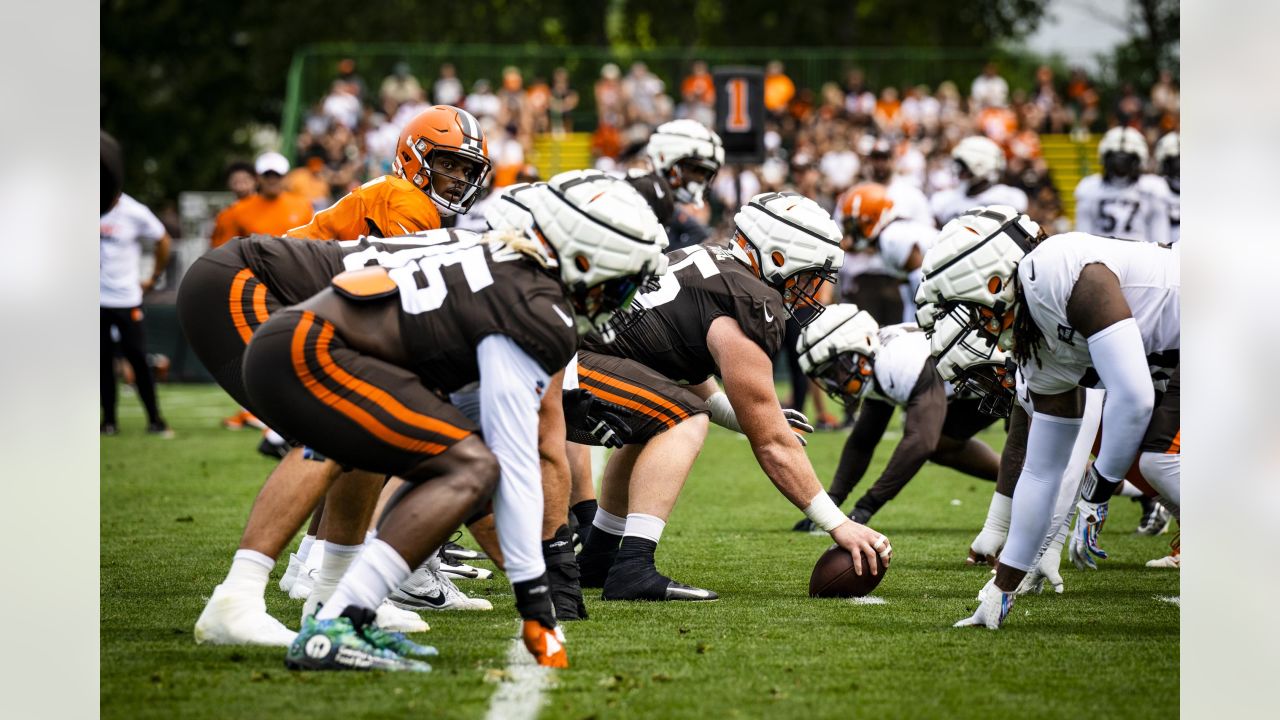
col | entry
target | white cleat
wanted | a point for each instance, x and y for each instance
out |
(394, 619)
(303, 584)
(993, 607)
(296, 566)
(427, 589)
(232, 619)
(464, 571)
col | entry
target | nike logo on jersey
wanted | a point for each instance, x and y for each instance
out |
(568, 321)
(1032, 274)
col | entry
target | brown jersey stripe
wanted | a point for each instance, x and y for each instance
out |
(608, 396)
(378, 396)
(236, 302)
(663, 404)
(300, 349)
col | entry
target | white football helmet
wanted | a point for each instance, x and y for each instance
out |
(509, 212)
(973, 363)
(606, 238)
(690, 143)
(838, 351)
(793, 245)
(1123, 140)
(973, 264)
(1169, 146)
(982, 156)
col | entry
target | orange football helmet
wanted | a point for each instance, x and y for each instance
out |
(865, 210)
(450, 131)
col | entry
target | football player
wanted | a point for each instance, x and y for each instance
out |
(1123, 202)
(857, 362)
(907, 199)
(356, 372)
(979, 163)
(440, 167)
(1168, 164)
(1075, 311)
(872, 224)
(686, 157)
(719, 311)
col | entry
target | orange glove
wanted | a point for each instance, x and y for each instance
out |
(545, 644)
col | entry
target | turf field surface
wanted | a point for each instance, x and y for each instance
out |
(172, 512)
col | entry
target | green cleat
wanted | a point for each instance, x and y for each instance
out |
(396, 642)
(340, 644)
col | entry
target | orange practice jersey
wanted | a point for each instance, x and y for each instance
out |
(256, 214)
(383, 207)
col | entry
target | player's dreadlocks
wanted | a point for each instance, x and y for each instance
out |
(1026, 334)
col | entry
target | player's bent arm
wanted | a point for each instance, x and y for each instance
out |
(163, 247)
(1098, 310)
(509, 402)
(1015, 451)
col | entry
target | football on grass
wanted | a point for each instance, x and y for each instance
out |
(833, 576)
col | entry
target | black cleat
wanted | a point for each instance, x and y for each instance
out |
(804, 525)
(109, 429)
(593, 567)
(642, 581)
(273, 450)
(460, 555)
(160, 428)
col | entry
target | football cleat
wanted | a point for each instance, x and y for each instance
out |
(427, 589)
(993, 607)
(160, 429)
(803, 525)
(641, 581)
(344, 643)
(1173, 559)
(563, 575)
(1155, 517)
(463, 570)
(276, 451)
(109, 429)
(459, 554)
(234, 619)
(545, 644)
(394, 619)
(594, 566)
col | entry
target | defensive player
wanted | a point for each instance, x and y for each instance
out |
(908, 201)
(1123, 202)
(856, 361)
(355, 372)
(1168, 165)
(979, 163)
(1075, 311)
(719, 311)
(872, 224)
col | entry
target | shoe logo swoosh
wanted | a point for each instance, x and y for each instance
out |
(435, 600)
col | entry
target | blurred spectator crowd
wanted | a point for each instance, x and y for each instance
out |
(819, 141)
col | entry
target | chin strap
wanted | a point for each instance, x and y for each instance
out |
(745, 253)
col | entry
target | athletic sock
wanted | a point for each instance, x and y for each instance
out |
(337, 558)
(998, 514)
(585, 512)
(609, 522)
(315, 558)
(304, 547)
(368, 581)
(648, 527)
(249, 573)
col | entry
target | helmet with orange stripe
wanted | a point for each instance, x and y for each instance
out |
(606, 241)
(442, 151)
(838, 351)
(792, 244)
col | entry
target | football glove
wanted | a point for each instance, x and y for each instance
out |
(1090, 517)
(545, 644)
(582, 412)
(798, 422)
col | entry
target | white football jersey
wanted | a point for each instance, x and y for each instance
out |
(904, 348)
(908, 201)
(1171, 198)
(122, 230)
(1150, 280)
(1129, 211)
(950, 204)
(898, 239)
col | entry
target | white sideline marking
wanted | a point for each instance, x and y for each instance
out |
(1171, 599)
(868, 600)
(519, 695)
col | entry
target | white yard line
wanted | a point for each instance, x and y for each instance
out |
(519, 694)
(1172, 600)
(868, 600)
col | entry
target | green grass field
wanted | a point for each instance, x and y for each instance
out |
(172, 512)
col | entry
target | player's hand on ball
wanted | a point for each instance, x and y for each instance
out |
(864, 544)
(1090, 517)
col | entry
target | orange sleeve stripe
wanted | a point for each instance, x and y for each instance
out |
(353, 412)
(604, 394)
(635, 390)
(237, 304)
(260, 303)
(378, 396)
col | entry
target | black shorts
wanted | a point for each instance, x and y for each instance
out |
(1164, 432)
(353, 408)
(649, 402)
(964, 420)
(220, 305)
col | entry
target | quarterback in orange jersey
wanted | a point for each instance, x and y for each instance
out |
(440, 166)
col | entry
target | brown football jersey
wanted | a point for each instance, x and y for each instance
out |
(702, 283)
(295, 269)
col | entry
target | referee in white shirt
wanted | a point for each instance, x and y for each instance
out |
(125, 224)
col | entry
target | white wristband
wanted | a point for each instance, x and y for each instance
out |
(824, 513)
(722, 412)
